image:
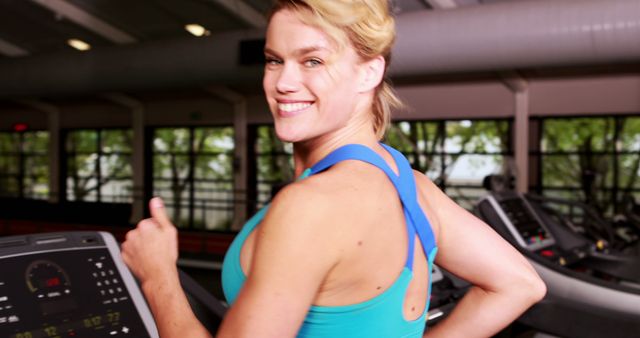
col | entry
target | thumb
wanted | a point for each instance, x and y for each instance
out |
(159, 213)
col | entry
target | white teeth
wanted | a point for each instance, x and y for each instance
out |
(292, 107)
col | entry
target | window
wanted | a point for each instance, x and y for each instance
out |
(24, 167)
(274, 164)
(593, 159)
(456, 155)
(193, 172)
(99, 165)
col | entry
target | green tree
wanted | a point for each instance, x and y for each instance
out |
(184, 156)
(584, 157)
(97, 157)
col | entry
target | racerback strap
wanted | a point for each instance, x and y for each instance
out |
(404, 182)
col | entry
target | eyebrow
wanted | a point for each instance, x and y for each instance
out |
(298, 52)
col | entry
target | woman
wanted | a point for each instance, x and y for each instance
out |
(346, 250)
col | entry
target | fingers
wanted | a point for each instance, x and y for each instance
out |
(159, 213)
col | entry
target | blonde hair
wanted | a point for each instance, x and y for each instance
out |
(368, 26)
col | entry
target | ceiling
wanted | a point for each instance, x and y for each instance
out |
(32, 31)
(35, 27)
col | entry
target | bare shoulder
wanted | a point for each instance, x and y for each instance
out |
(434, 202)
(309, 212)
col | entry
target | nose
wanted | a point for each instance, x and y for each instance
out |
(288, 79)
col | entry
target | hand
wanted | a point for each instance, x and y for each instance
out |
(151, 249)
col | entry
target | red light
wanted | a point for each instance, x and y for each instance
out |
(547, 253)
(53, 282)
(20, 127)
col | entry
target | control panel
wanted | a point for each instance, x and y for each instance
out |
(522, 222)
(69, 285)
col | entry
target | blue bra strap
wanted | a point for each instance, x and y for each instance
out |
(355, 152)
(404, 184)
(419, 220)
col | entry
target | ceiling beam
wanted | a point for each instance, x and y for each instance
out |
(225, 93)
(441, 4)
(247, 13)
(87, 20)
(9, 49)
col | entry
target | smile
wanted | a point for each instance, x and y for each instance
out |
(289, 108)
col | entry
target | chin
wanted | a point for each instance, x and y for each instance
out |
(287, 134)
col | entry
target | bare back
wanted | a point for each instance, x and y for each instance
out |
(368, 216)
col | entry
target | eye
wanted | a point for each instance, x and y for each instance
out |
(312, 63)
(271, 61)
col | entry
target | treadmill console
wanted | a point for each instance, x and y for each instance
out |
(69, 285)
(522, 222)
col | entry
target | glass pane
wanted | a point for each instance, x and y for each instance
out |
(472, 169)
(579, 134)
(415, 136)
(8, 186)
(82, 165)
(117, 141)
(82, 141)
(36, 175)
(217, 167)
(115, 166)
(82, 189)
(36, 188)
(629, 171)
(116, 191)
(477, 136)
(171, 140)
(267, 142)
(176, 199)
(9, 164)
(561, 171)
(275, 168)
(216, 140)
(170, 166)
(630, 135)
(9, 143)
(213, 209)
(37, 141)
(265, 193)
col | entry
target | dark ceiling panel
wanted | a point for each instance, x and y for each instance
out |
(38, 30)
(262, 6)
(160, 19)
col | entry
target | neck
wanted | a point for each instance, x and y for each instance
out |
(309, 152)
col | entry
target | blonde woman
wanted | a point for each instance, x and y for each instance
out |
(346, 250)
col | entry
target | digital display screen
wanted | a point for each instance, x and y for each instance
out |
(75, 293)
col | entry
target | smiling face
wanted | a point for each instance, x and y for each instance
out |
(313, 88)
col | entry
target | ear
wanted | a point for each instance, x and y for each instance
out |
(371, 75)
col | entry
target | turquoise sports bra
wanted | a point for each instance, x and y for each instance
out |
(381, 316)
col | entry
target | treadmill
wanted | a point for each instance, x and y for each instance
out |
(69, 285)
(75, 284)
(592, 290)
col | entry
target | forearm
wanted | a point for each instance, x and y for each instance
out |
(483, 313)
(170, 308)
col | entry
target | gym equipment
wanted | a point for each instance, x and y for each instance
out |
(69, 284)
(593, 290)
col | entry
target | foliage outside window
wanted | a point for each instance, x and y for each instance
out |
(274, 163)
(99, 165)
(594, 160)
(193, 172)
(456, 155)
(24, 167)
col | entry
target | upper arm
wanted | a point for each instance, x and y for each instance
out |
(472, 250)
(293, 253)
